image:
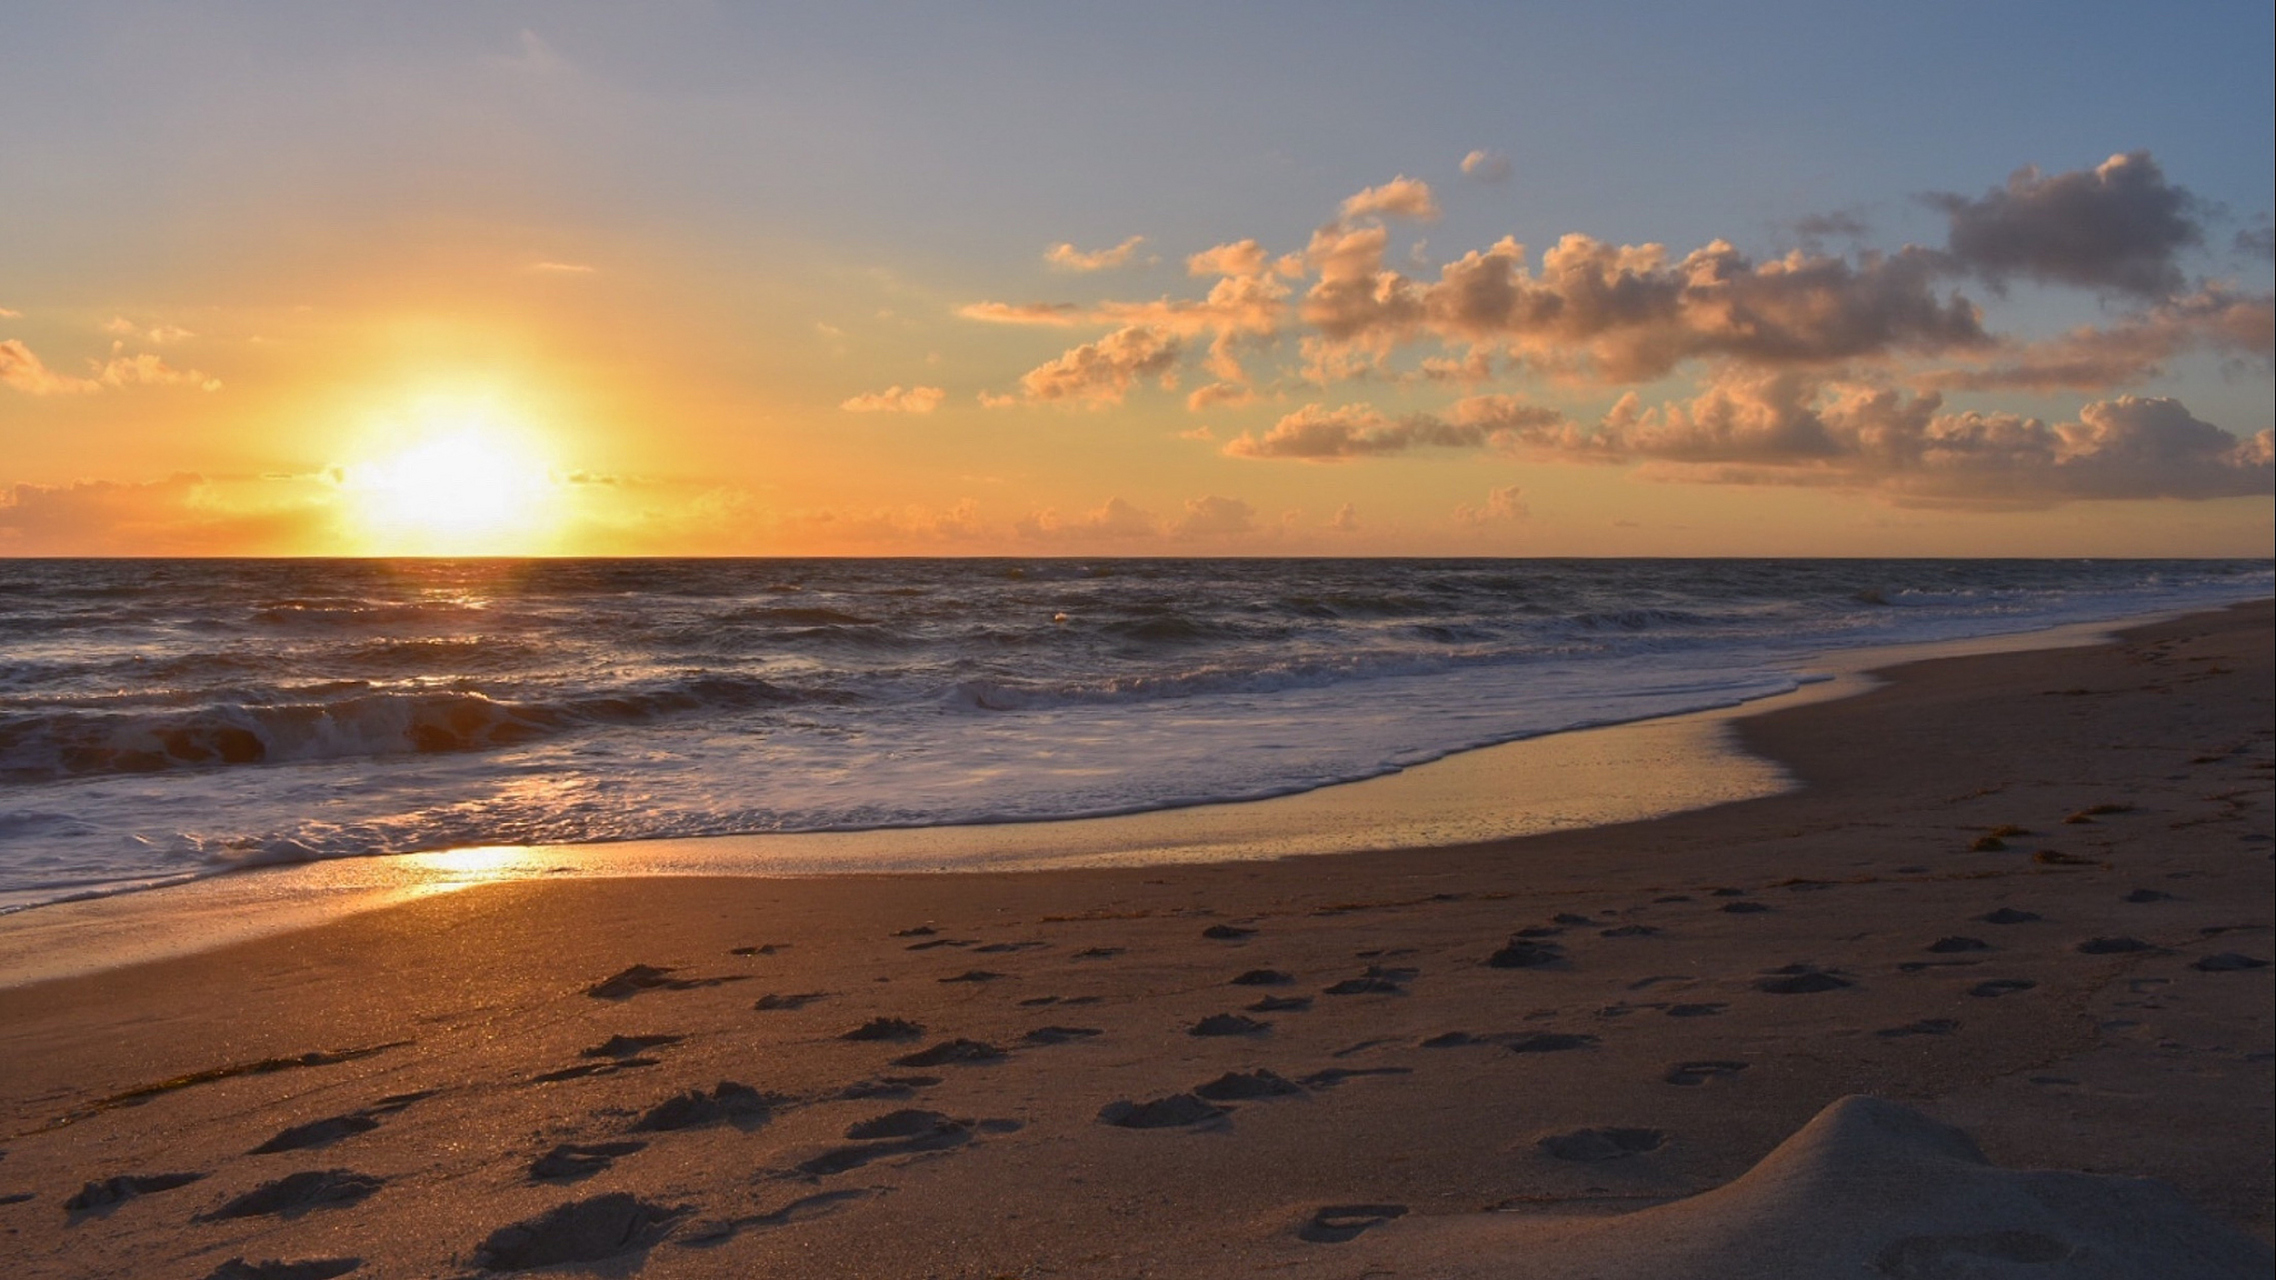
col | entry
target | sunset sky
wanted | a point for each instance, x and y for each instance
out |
(1324, 278)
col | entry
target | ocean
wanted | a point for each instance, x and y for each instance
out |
(162, 720)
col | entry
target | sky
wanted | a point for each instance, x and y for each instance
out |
(1175, 279)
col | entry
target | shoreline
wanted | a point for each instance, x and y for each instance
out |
(1548, 782)
(1707, 982)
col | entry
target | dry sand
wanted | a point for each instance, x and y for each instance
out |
(1327, 1066)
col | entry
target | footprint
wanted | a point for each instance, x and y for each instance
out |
(296, 1194)
(1362, 1047)
(1263, 978)
(1333, 1076)
(1228, 1024)
(2010, 915)
(1697, 1073)
(1098, 953)
(1525, 953)
(974, 975)
(921, 931)
(1336, 1223)
(1376, 981)
(1627, 931)
(887, 1087)
(943, 942)
(1240, 1086)
(1061, 1035)
(1745, 908)
(1549, 1042)
(896, 1133)
(584, 1070)
(571, 1162)
(718, 1231)
(1997, 987)
(1947, 945)
(727, 1103)
(125, 1187)
(2227, 962)
(581, 1231)
(1924, 1027)
(885, 1029)
(319, 1133)
(1228, 932)
(1590, 1146)
(794, 1000)
(1175, 1111)
(2114, 946)
(1280, 1004)
(763, 949)
(1696, 1010)
(999, 948)
(627, 1046)
(958, 1051)
(1453, 1040)
(305, 1269)
(2148, 895)
(1800, 980)
(641, 977)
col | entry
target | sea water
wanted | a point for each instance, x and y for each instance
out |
(167, 719)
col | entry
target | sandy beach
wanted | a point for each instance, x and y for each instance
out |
(2027, 895)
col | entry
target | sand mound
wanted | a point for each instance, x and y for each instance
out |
(1868, 1189)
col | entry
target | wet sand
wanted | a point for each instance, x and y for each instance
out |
(1415, 1063)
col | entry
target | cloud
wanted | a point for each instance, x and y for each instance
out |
(1345, 520)
(1103, 372)
(2116, 226)
(1213, 516)
(1505, 505)
(1839, 225)
(22, 370)
(7, 313)
(1401, 197)
(148, 370)
(894, 399)
(1114, 521)
(562, 268)
(2257, 241)
(1045, 313)
(1786, 428)
(1485, 166)
(2097, 356)
(915, 522)
(1321, 433)
(1066, 257)
(184, 514)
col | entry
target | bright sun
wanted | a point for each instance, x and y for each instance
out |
(466, 484)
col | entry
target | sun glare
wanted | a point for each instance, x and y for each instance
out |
(466, 484)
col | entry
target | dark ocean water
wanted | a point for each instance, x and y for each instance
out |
(168, 718)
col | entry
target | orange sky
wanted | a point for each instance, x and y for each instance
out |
(500, 288)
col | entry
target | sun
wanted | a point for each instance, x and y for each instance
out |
(466, 482)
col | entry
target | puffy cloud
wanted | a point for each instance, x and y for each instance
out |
(1114, 521)
(1345, 520)
(1485, 166)
(1401, 197)
(1103, 372)
(25, 372)
(1059, 314)
(2116, 226)
(1240, 258)
(1067, 257)
(161, 334)
(1319, 434)
(1505, 505)
(1780, 427)
(1213, 516)
(1625, 313)
(2094, 356)
(895, 399)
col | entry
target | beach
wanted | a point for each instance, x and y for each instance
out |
(2026, 893)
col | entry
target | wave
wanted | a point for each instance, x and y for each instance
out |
(56, 744)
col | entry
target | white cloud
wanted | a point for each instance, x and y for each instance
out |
(1067, 257)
